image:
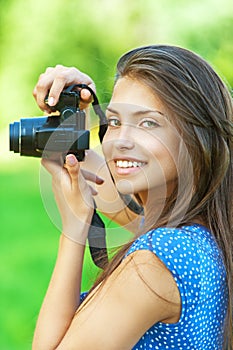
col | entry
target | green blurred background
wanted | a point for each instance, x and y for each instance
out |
(89, 34)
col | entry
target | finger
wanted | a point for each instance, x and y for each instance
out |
(67, 76)
(42, 88)
(93, 191)
(92, 177)
(72, 167)
(56, 88)
(85, 79)
(39, 96)
(86, 96)
(54, 80)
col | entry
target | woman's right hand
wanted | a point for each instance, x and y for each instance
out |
(73, 194)
(55, 79)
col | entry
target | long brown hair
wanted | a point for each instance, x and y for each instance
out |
(201, 109)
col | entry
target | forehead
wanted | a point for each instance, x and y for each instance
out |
(133, 92)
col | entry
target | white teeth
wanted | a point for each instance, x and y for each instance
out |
(128, 164)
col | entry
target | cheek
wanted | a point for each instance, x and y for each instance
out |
(107, 142)
(107, 147)
(163, 159)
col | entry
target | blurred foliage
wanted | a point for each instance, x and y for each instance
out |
(91, 35)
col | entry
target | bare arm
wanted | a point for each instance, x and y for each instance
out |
(139, 293)
(74, 199)
(62, 297)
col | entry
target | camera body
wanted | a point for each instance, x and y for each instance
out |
(61, 133)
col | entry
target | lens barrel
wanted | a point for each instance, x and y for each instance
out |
(39, 136)
(15, 137)
(22, 136)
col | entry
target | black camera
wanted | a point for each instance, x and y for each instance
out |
(64, 133)
(60, 133)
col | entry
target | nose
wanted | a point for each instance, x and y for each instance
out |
(124, 144)
(124, 140)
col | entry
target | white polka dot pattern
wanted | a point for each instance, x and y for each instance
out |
(193, 257)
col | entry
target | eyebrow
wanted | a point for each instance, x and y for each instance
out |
(136, 113)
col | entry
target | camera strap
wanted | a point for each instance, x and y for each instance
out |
(97, 232)
(96, 106)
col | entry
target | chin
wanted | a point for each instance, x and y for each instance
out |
(125, 187)
(128, 187)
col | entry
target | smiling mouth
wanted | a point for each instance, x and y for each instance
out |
(129, 164)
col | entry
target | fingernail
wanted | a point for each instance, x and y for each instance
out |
(51, 101)
(99, 180)
(85, 94)
(71, 160)
(94, 192)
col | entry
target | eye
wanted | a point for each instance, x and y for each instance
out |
(149, 123)
(113, 121)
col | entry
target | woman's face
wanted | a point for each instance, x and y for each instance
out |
(140, 145)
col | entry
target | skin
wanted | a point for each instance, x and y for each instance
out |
(110, 319)
(55, 79)
(139, 132)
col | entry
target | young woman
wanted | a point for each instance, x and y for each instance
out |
(168, 144)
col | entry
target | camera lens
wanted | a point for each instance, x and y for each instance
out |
(23, 136)
(15, 137)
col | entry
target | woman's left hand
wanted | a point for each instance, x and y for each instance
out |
(73, 196)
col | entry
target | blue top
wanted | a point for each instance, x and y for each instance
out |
(195, 261)
(193, 257)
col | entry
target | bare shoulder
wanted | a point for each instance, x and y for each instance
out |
(153, 284)
(138, 294)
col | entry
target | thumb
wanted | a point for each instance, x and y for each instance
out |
(72, 166)
(78, 184)
(86, 96)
